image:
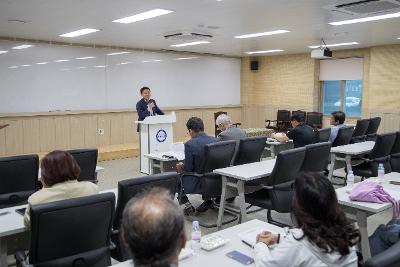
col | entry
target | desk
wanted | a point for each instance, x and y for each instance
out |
(348, 151)
(273, 145)
(217, 257)
(241, 174)
(157, 161)
(362, 210)
(12, 223)
(251, 132)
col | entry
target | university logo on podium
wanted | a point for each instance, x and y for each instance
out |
(161, 135)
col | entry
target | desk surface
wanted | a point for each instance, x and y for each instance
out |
(13, 223)
(250, 171)
(159, 156)
(354, 149)
(393, 190)
(217, 257)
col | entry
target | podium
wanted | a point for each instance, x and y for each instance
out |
(155, 135)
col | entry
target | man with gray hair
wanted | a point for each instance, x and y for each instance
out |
(228, 131)
(153, 228)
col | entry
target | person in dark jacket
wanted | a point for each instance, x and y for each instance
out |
(146, 106)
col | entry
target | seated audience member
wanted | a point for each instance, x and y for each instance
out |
(301, 134)
(384, 237)
(59, 178)
(194, 150)
(322, 235)
(153, 229)
(337, 120)
(228, 131)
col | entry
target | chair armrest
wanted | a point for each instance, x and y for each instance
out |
(20, 258)
(191, 174)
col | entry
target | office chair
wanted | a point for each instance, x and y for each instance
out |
(18, 179)
(373, 128)
(71, 233)
(387, 258)
(323, 135)
(87, 161)
(316, 157)
(302, 114)
(344, 136)
(277, 192)
(282, 122)
(379, 154)
(250, 150)
(216, 155)
(314, 119)
(359, 134)
(395, 154)
(128, 189)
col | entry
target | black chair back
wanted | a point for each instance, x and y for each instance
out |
(383, 145)
(250, 150)
(18, 179)
(387, 258)
(316, 157)
(287, 167)
(72, 232)
(396, 145)
(361, 127)
(373, 125)
(323, 135)
(344, 136)
(87, 161)
(283, 115)
(216, 155)
(314, 119)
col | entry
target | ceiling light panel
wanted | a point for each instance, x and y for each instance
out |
(3, 51)
(143, 16)
(366, 19)
(85, 57)
(333, 45)
(22, 46)
(118, 53)
(191, 43)
(79, 32)
(252, 35)
(265, 51)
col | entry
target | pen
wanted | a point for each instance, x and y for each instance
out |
(250, 245)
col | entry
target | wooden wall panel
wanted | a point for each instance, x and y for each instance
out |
(2, 139)
(130, 134)
(104, 122)
(47, 131)
(63, 132)
(116, 130)
(14, 137)
(77, 132)
(31, 135)
(91, 132)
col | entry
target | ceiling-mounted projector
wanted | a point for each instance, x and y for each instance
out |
(321, 53)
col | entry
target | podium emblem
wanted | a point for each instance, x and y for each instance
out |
(161, 135)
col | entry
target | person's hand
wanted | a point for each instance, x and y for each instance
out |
(151, 105)
(267, 238)
(179, 166)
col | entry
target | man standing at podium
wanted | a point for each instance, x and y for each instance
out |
(147, 106)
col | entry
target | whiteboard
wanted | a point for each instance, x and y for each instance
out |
(82, 78)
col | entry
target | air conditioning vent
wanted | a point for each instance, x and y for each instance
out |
(187, 36)
(366, 7)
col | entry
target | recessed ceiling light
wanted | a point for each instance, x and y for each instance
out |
(125, 63)
(398, 38)
(62, 60)
(13, 67)
(191, 43)
(152, 60)
(118, 53)
(84, 57)
(3, 52)
(185, 58)
(22, 46)
(333, 45)
(265, 51)
(42, 63)
(26, 65)
(101, 66)
(261, 34)
(79, 32)
(79, 68)
(145, 15)
(366, 19)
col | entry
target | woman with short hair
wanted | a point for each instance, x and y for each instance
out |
(322, 237)
(59, 172)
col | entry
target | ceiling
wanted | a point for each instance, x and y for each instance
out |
(306, 19)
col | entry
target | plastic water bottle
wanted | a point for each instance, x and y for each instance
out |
(196, 237)
(381, 170)
(350, 181)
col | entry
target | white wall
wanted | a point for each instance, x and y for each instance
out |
(78, 84)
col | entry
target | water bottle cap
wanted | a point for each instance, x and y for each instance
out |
(195, 223)
(351, 172)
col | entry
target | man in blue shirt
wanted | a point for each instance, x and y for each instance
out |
(337, 120)
(146, 106)
(194, 153)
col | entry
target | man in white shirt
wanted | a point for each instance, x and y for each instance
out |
(337, 120)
